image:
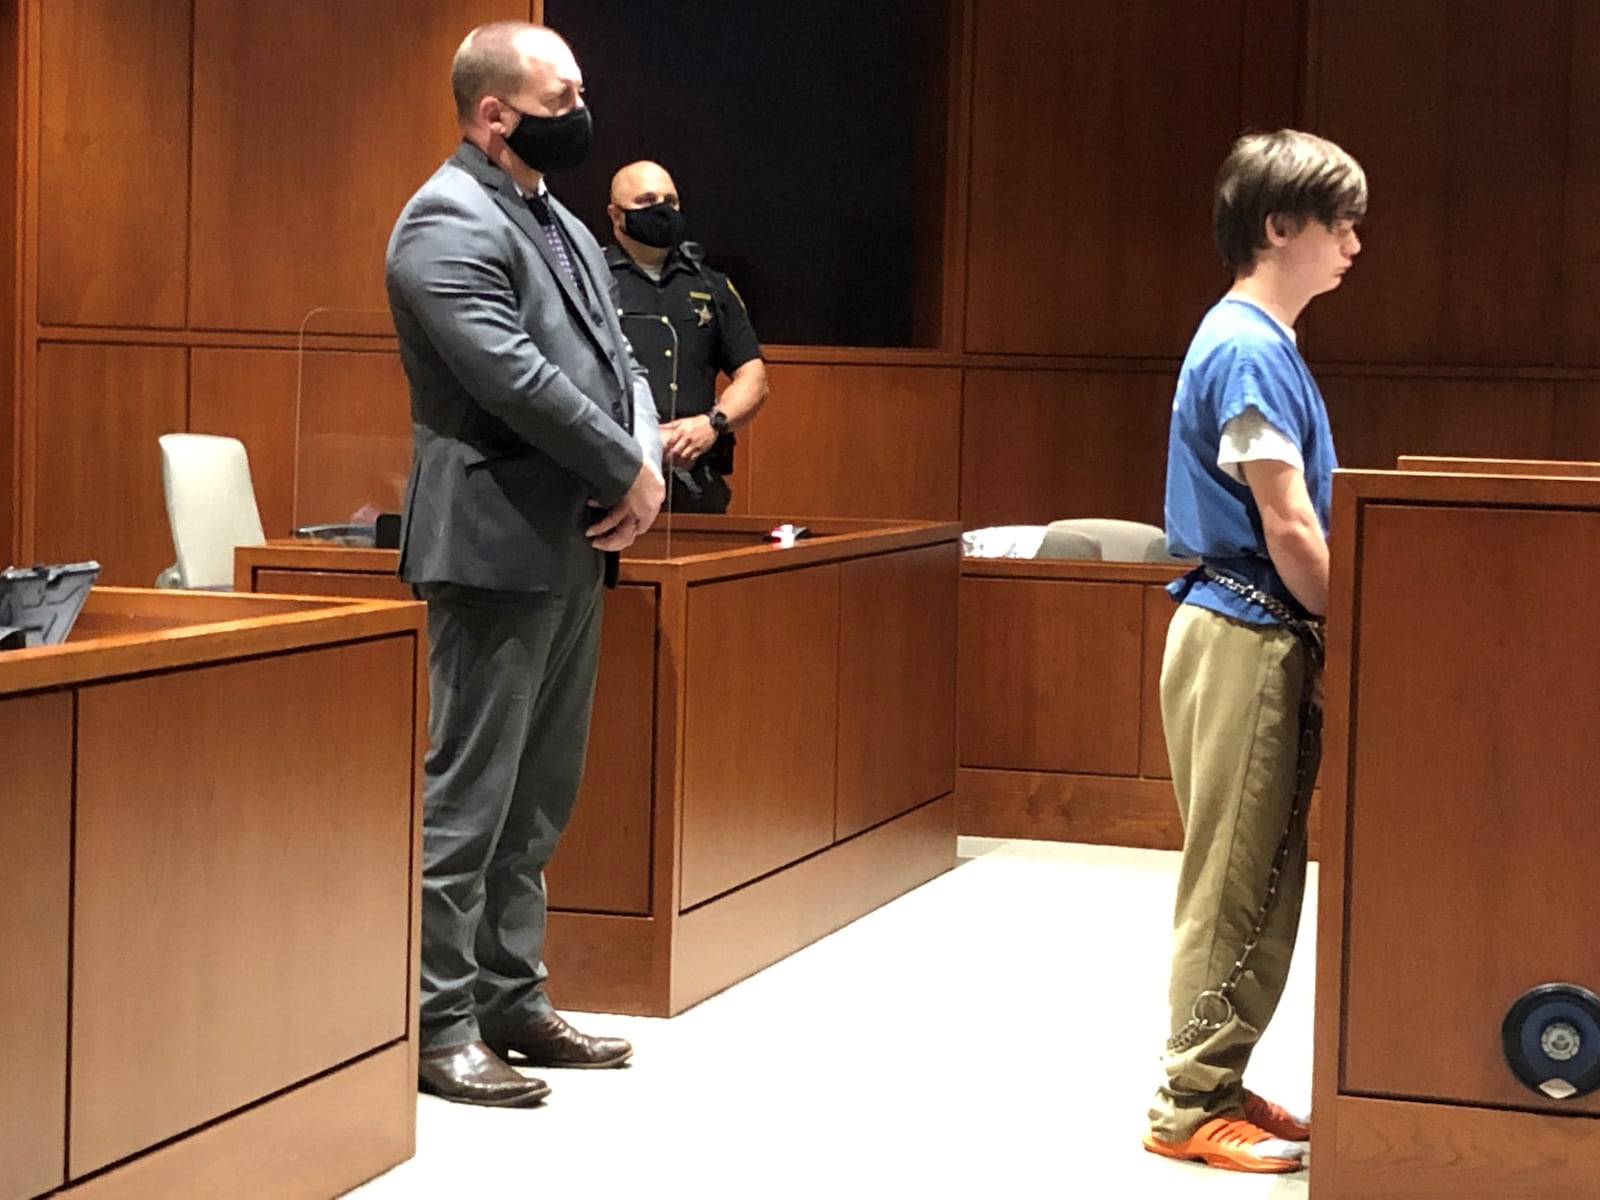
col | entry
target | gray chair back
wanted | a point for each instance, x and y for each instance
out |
(1106, 538)
(1066, 543)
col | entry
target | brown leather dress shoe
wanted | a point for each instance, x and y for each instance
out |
(548, 1041)
(474, 1074)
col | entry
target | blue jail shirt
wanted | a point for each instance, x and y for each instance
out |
(1240, 358)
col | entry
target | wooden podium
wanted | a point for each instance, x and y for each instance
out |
(772, 752)
(208, 819)
(1460, 831)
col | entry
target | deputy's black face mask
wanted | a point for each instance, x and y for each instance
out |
(660, 225)
(552, 143)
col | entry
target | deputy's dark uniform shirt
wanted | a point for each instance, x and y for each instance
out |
(713, 329)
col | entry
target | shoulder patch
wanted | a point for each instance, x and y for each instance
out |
(735, 292)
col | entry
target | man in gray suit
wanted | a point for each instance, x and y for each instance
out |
(536, 450)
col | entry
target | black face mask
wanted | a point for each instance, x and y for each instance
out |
(552, 143)
(660, 225)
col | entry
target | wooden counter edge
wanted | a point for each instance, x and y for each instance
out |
(141, 651)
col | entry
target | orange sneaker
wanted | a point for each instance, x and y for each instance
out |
(1276, 1120)
(1234, 1144)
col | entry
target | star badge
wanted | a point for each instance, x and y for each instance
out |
(703, 311)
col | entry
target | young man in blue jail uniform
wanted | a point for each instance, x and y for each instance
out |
(1249, 479)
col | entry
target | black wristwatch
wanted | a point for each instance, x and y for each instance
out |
(719, 421)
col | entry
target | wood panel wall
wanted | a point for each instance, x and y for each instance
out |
(1076, 244)
(255, 155)
(1461, 117)
(207, 188)
(11, 93)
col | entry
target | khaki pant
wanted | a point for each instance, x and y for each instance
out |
(1230, 697)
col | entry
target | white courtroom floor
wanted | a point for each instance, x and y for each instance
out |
(993, 1034)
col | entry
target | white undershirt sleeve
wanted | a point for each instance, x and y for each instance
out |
(1250, 437)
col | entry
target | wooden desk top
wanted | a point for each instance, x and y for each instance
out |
(693, 549)
(133, 631)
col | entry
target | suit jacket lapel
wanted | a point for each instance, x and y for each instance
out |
(477, 164)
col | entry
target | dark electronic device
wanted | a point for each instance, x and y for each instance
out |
(344, 534)
(39, 604)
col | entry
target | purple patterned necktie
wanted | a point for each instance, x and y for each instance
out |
(539, 204)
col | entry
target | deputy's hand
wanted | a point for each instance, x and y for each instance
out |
(686, 439)
(633, 514)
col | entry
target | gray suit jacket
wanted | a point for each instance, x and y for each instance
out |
(526, 400)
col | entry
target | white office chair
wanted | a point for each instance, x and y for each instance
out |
(211, 506)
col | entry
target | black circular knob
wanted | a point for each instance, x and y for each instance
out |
(1551, 1038)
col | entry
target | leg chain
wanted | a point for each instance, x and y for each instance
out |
(1213, 1008)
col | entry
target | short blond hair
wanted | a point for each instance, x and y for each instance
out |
(488, 62)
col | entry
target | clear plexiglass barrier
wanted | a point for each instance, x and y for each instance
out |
(352, 449)
(352, 434)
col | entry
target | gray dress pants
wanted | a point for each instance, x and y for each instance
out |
(512, 678)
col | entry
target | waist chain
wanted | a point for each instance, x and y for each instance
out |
(1307, 631)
